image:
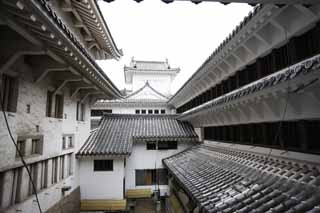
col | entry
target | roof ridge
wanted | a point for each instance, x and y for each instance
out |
(226, 41)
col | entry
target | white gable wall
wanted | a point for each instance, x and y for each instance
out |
(101, 184)
(160, 82)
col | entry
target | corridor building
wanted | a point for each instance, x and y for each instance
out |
(256, 103)
(48, 81)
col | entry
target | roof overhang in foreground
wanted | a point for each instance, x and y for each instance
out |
(39, 24)
(90, 18)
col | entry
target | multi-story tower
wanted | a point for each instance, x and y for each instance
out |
(150, 83)
(158, 74)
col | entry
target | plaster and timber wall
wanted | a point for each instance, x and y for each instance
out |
(101, 184)
(34, 124)
(141, 158)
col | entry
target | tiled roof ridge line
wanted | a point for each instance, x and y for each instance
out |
(231, 35)
(119, 52)
(264, 155)
(185, 150)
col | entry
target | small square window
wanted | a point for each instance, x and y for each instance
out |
(151, 145)
(35, 146)
(150, 111)
(28, 108)
(143, 111)
(103, 165)
(137, 111)
(156, 111)
(163, 111)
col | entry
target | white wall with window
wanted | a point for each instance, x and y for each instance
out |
(148, 156)
(38, 119)
(101, 178)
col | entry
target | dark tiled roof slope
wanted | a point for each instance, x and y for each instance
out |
(116, 132)
(229, 180)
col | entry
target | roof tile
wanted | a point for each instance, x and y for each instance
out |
(116, 132)
(222, 179)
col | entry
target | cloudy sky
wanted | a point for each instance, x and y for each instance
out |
(183, 32)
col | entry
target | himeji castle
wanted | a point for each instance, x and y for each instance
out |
(240, 135)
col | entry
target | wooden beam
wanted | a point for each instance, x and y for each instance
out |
(16, 56)
(64, 83)
(77, 90)
(46, 72)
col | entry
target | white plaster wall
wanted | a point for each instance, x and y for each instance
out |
(141, 158)
(127, 109)
(160, 82)
(22, 124)
(101, 184)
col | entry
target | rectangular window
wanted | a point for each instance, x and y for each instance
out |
(151, 145)
(103, 165)
(49, 104)
(22, 147)
(137, 111)
(98, 112)
(149, 177)
(59, 106)
(164, 145)
(70, 140)
(143, 111)
(150, 111)
(156, 111)
(36, 146)
(80, 111)
(9, 92)
(163, 111)
(64, 144)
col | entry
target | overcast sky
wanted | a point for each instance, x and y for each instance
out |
(183, 32)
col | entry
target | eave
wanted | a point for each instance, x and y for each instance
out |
(262, 30)
(89, 17)
(47, 30)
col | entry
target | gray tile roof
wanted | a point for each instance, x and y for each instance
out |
(221, 179)
(117, 132)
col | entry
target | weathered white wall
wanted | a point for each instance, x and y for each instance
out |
(141, 158)
(160, 82)
(101, 184)
(52, 129)
(125, 109)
